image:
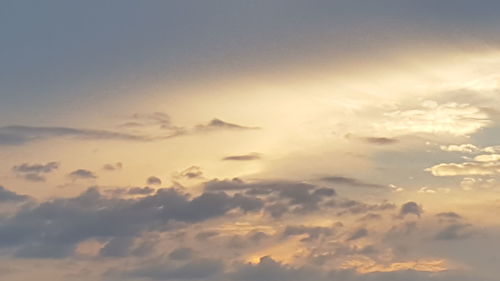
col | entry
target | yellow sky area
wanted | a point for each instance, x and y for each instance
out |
(304, 119)
(254, 98)
(311, 114)
(262, 94)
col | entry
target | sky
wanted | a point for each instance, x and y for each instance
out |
(249, 140)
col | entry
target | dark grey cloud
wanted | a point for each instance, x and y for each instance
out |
(449, 215)
(56, 226)
(193, 172)
(198, 269)
(112, 166)
(181, 254)
(82, 174)
(258, 236)
(163, 121)
(7, 196)
(243, 157)
(153, 180)
(313, 232)
(271, 270)
(117, 247)
(120, 192)
(34, 177)
(370, 217)
(35, 172)
(264, 187)
(217, 124)
(341, 180)
(411, 208)
(10, 139)
(282, 196)
(156, 120)
(36, 168)
(354, 207)
(380, 140)
(204, 235)
(17, 135)
(372, 140)
(44, 249)
(454, 231)
(140, 190)
(402, 231)
(358, 234)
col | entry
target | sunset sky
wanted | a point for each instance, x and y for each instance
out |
(250, 140)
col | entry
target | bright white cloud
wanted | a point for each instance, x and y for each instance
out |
(465, 169)
(474, 183)
(433, 118)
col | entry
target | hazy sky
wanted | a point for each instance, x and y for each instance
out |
(256, 140)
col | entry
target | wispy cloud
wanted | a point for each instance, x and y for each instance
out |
(243, 157)
(82, 174)
(217, 124)
(18, 135)
(434, 118)
(35, 172)
(350, 182)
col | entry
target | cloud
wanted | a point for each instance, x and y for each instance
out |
(370, 217)
(480, 165)
(449, 215)
(204, 235)
(193, 172)
(117, 247)
(7, 196)
(465, 169)
(199, 269)
(17, 135)
(469, 148)
(112, 166)
(357, 207)
(181, 254)
(217, 124)
(153, 180)
(156, 118)
(433, 118)
(453, 232)
(82, 174)
(244, 157)
(313, 232)
(473, 183)
(269, 269)
(350, 182)
(360, 233)
(285, 197)
(140, 190)
(380, 140)
(54, 228)
(35, 172)
(411, 208)
(487, 158)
